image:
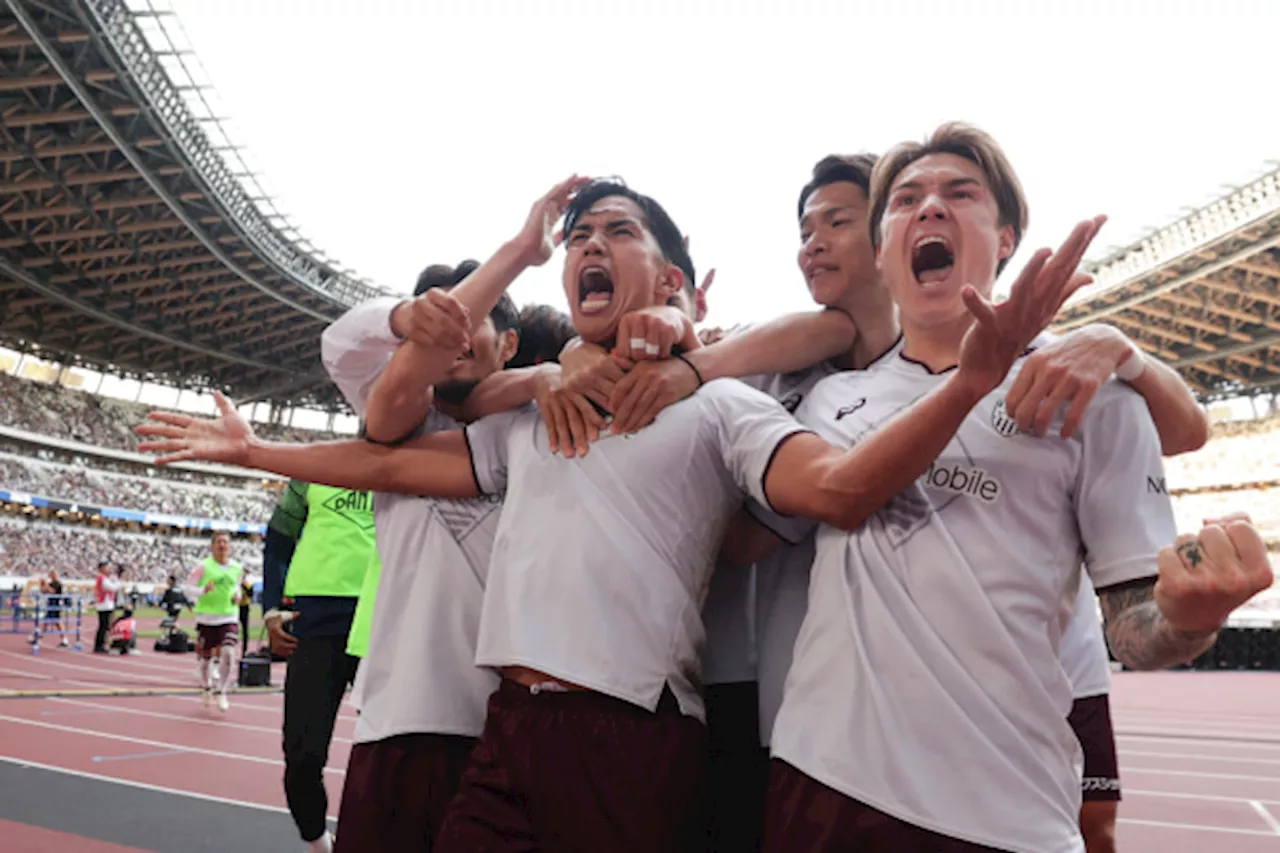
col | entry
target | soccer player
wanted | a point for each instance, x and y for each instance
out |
(418, 723)
(212, 585)
(591, 609)
(926, 708)
(753, 616)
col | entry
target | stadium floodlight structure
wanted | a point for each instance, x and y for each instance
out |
(1202, 293)
(135, 235)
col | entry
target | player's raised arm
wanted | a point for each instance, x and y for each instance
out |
(809, 477)
(436, 326)
(438, 464)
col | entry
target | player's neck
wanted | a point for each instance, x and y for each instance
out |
(876, 316)
(936, 346)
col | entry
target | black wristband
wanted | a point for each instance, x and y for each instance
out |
(695, 370)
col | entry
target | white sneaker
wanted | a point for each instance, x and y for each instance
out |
(223, 704)
(207, 695)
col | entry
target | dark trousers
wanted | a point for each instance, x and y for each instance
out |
(805, 816)
(737, 768)
(398, 790)
(244, 632)
(317, 678)
(104, 628)
(580, 772)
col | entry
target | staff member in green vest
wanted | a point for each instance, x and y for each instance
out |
(334, 544)
(213, 585)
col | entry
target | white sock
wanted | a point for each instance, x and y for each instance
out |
(323, 844)
(204, 673)
(228, 668)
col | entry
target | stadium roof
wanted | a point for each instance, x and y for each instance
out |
(131, 239)
(135, 240)
(1203, 293)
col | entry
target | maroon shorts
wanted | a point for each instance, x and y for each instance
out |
(397, 791)
(805, 816)
(737, 768)
(1090, 719)
(579, 772)
(210, 637)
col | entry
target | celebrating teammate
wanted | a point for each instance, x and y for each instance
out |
(418, 724)
(925, 707)
(607, 684)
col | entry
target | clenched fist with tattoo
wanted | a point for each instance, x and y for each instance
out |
(1174, 619)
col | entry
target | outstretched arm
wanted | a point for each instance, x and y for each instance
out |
(438, 464)
(786, 344)
(811, 478)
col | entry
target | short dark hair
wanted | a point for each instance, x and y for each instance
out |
(656, 219)
(504, 314)
(543, 333)
(836, 169)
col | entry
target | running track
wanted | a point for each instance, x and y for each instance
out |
(1199, 752)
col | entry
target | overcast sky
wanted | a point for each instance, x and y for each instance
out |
(399, 134)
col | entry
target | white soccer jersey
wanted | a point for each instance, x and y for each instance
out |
(419, 674)
(734, 597)
(601, 563)
(1083, 651)
(926, 681)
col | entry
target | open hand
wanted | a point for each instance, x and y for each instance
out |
(1067, 372)
(647, 389)
(539, 237)
(588, 370)
(181, 437)
(1001, 333)
(572, 422)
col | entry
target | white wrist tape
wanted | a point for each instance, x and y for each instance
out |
(1133, 366)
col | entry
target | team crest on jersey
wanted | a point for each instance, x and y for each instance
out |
(1001, 422)
(356, 507)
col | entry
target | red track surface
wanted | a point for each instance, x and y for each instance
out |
(1199, 752)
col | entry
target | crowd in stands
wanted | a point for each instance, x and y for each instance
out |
(109, 464)
(1238, 454)
(75, 415)
(33, 548)
(94, 486)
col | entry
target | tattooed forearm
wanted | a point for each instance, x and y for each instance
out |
(1138, 633)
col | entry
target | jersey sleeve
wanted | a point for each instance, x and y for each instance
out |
(750, 427)
(356, 348)
(488, 443)
(790, 529)
(1122, 504)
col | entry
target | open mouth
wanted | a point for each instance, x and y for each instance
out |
(932, 259)
(595, 290)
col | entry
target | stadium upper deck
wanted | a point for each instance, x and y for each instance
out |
(128, 243)
(1203, 293)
